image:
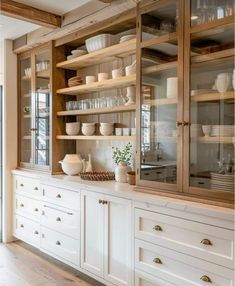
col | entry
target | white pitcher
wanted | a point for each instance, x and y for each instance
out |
(223, 82)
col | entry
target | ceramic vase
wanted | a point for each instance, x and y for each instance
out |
(121, 172)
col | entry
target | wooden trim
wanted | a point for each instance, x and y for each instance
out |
(149, 5)
(30, 14)
(96, 137)
(160, 67)
(228, 53)
(158, 40)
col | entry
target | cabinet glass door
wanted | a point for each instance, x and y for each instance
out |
(160, 93)
(25, 110)
(42, 110)
(212, 76)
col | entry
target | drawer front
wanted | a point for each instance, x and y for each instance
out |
(60, 245)
(27, 230)
(178, 268)
(28, 186)
(200, 240)
(61, 197)
(62, 220)
(28, 207)
(145, 279)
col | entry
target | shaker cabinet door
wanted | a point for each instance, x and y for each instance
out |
(92, 233)
(117, 249)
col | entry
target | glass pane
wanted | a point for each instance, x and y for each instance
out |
(159, 113)
(25, 110)
(204, 11)
(212, 110)
(161, 21)
(42, 110)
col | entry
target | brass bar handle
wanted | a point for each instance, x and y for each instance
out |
(58, 196)
(58, 243)
(206, 241)
(205, 278)
(58, 219)
(157, 261)
(157, 228)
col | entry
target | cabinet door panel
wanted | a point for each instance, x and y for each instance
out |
(117, 252)
(92, 230)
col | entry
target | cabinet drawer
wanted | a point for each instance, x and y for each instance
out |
(178, 268)
(28, 207)
(61, 197)
(60, 245)
(145, 279)
(28, 186)
(27, 230)
(186, 236)
(62, 220)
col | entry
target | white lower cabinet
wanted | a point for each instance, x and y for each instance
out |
(145, 279)
(106, 237)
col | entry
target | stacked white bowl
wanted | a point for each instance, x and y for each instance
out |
(88, 129)
(106, 129)
(72, 128)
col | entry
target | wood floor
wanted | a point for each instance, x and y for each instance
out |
(20, 266)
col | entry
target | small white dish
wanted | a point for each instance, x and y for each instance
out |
(90, 79)
(78, 53)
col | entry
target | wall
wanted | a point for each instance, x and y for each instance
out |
(9, 133)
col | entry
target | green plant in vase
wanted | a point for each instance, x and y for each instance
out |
(123, 159)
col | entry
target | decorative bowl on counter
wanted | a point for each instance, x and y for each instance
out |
(100, 42)
(72, 164)
(72, 128)
(88, 129)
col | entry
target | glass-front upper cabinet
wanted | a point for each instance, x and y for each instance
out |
(35, 109)
(160, 91)
(211, 93)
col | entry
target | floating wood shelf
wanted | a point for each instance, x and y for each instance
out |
(98, 110)
(160, 67)
(119, 82)
(171, 37)
(213, 96)
(224, 140)
(101, 56)
(96, 137)
(220, 55)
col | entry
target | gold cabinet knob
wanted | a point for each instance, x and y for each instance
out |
(36, 188)
(205, 278)
(100, 201)
(58, 196)
(157, 228)
(58, 243)
(36, 232)
(206, 241)
(21, 205)
(157, 261)
(22, 226)
(22, 185)
(36, 210)
(58, 219)
(105, 202)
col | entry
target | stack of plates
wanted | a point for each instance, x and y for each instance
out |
(73, 81)
(223, 182)
(223, 130)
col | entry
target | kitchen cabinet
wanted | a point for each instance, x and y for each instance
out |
(184, 75)
(108, 220)
(34, 108)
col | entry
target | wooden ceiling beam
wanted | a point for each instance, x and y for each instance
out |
(30, 14)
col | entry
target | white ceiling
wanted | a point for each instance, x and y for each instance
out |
(11, 28)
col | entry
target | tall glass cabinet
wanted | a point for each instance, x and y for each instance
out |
(34, 109)
(185, 83)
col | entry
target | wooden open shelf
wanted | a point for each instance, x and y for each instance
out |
(216, 96)
(161, 101)
(98, 86)
(170, 37)
(101, 56)
(160, 67)
(96, 137)
(98, 110)
(43, 74)
(220, 55)
(224, 140)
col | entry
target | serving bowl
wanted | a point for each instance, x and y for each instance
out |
(72, 128)
(88, 129)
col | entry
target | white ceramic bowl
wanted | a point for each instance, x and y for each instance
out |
(106, 132)
(78, 53)
(72, 128)
(88, 129)
(71, 168)
(100, 42)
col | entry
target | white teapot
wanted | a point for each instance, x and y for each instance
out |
(72, 164)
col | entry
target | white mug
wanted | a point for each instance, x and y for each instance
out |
(117, 73)
(223, 82)
(103, 76)
(172, 87)
(90, 79)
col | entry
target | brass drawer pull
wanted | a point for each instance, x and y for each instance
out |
(21, 205)
(100, 201)
(58, 243)
(206, 241)
(157, 261)
(36, 188)
(58, 219)
(36, 232)
(58, 196)
(36, 210)
(205, 278)
(157, 228)
(22, 226)
(105, 202)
